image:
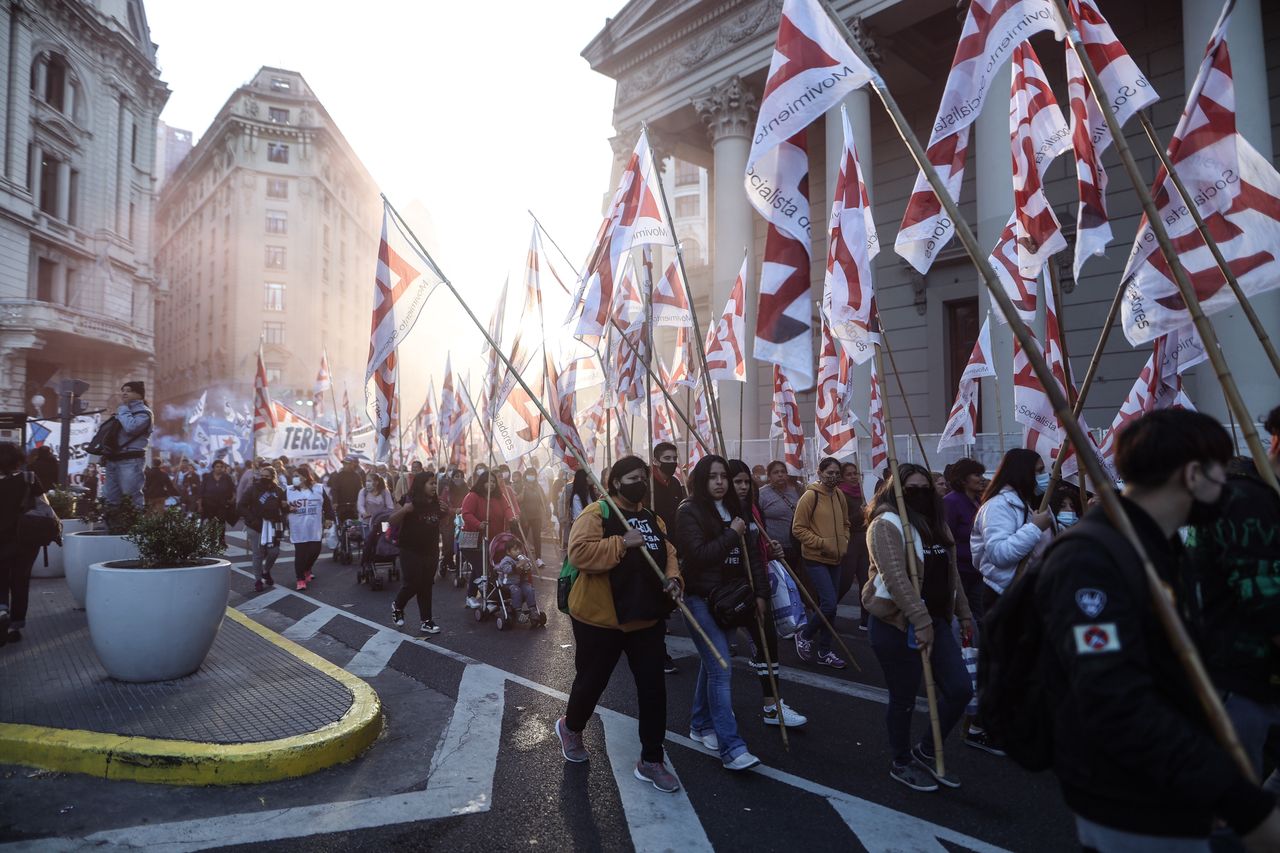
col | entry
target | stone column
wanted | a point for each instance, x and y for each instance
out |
(729, 111)
(16, 119)
(68, 98)
(1249, 366)
(124, 171)
(993, 164)
(64, 191)
(59, 290)
(37, 158)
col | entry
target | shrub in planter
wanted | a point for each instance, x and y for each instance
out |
(63, 502)
(155, 618)
(104, 540)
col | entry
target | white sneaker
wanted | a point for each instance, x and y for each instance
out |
(745, 761)
(474, 602)
(792, 719)
(709, 740)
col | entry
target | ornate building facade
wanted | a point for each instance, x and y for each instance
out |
(79, 106)
(693, 71)
(268, 231)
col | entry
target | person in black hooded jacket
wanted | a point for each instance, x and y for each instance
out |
(710, 528)
(263, 508)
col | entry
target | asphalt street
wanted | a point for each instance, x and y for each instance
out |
(479, 703)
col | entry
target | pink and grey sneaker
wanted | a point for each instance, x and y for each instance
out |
(832, 660)
(571, 743)
(804, 649)
(657, 774)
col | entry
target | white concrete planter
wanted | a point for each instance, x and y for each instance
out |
(55, 569)
(155, 624)
(81, 550)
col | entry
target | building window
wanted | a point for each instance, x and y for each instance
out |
(277, 222)
(274, 375)
(272, 333)
(277, 188)
(133, 144)
(275, 296)
(686, 173)
(277, 116)
(49, 185)
(280, 84)
(275, 257)
(692, 251)
(963, 321)
(324, 269)
(277, 152)
(44, 279)
(687, 206)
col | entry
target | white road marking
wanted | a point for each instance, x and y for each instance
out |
(262, 601)
(659, 823)
(463, 767)
(374, 654)
(308, 626)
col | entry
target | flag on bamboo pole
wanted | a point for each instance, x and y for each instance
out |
(879, 443)
(323, 384)
(992, 29)
(517, 425)
(849, 296)
(786, 421)
(385, 382)
(425, 423)
(1038, 135)
(464, 414)
(1128, 90)
(830, 403)
(494, 368)
(684, 363)
(403, 282)
(197, 411)
(784, 326)
(562, 394)
(962, 423)
(264, 414)
(517, 419)
(701, 424)
(1042, 431)
(635, 218)
(671, 300)
(724, 348)
(448, 401)
(593, 418)
(1235, 189)
(628, 304)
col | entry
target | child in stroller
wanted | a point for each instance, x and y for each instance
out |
(379, 560)
(515, 576)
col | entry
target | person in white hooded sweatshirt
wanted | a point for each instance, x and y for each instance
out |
(309, 513)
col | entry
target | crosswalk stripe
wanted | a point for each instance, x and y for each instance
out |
(883, 829)
(308, 626)
(374, 654)
(658, 822)
(467, 756)
(262, 601)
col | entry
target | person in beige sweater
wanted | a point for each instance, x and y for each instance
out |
(821, 526)
(904, 622)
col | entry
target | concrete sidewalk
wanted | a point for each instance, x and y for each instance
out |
(260, 708)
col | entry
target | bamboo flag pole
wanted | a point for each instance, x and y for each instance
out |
(646, 257)
(1168, 615)
(906, 404)
(764, 645)
(542, 409)
(1232, 281)
(613, 323)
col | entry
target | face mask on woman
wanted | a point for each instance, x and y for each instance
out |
(919, 499)
(1067, 518)
(1042, 483)
(297, 482)
(370, 485)
(531, 478)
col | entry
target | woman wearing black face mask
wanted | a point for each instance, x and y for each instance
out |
(904, 621)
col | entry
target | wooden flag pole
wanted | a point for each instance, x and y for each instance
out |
(1055, 286)
(1164, 607)
(1223, 266)
(906, 404)
(435, 268)
(613, 323)
(764, 645)
(646, 260)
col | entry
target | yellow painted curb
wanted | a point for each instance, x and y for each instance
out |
(180, 762)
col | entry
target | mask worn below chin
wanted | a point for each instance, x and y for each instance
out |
(1042, 483)
(667, 468)
(634, 492)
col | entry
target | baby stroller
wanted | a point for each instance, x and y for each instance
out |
(350, 542)
(380, 560)
(496, 596)
(462, 539)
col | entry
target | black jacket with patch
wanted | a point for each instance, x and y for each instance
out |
(710, 549)
(1131, 747)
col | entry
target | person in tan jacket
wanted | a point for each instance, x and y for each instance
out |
(821, 526)
(905, 623)
(617, 605)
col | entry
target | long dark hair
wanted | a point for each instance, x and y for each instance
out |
(931, 528)
(481, 483)
(736, 467)
(418, 494)
(698, 493)
(1017, 470)
(582, 487)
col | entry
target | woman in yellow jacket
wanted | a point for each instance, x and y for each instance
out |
(821, 526)
(617, 605)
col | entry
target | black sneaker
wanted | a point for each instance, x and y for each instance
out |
(669, 666)
(913, 776)
(429, 627)
(4, 627)
(268, 580)
(397, 616)
(927, 762)
(979, 739)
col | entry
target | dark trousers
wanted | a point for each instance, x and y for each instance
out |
(854, 570)
(825, 580)
(758, 664)
(446, 541)
(16, 560)
(989, 597)
(305, 555)
(902, 669)
(419, 570)
(596, 653)
(475, 558)
(975, 592)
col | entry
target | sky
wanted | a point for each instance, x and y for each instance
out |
(480, 111)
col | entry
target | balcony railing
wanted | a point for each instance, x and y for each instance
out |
(49, 317)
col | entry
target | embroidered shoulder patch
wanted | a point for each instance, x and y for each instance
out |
(1098, 638)
(1091, 601)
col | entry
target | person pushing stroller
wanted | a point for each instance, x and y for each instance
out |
(515, 575)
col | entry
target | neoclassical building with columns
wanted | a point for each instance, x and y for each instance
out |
(693, 72)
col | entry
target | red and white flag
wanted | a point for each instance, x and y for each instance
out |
(671, 300)
(1235, 189)
(448, 400)
(725, 351)
(992, 29)
(324, 382)
(494, 368)
(786, 421)
(702, 425)
(386, 393)
(849, 295)
(636, 218)
(464, 414)
(1128, 90)
(628, 377)
(875, 418)
(1042, 430)
(517, 425)
(684, 365)
(628, 304)
(425, 425)
(831, 404)
(264, 414)
(562, 395)
(962, 423)
(404, 280)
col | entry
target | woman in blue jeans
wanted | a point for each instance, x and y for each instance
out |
(709, 532)
(913, 619)
(821, 526)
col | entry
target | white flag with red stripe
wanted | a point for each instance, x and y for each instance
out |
(562, 396)
(701, 425)
(786, 421)
(671, 300)
(448, 400)
(849, 297)
(875, 420)
(264, 414)
(1128, 90)
(724, 348)
(323, 383)
(628, 304)
(962, 424)
(425, 423)
(382, 389)
(992, 29)
(835, 429)
(684, 365)
(1042, 430)
(636, 218)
